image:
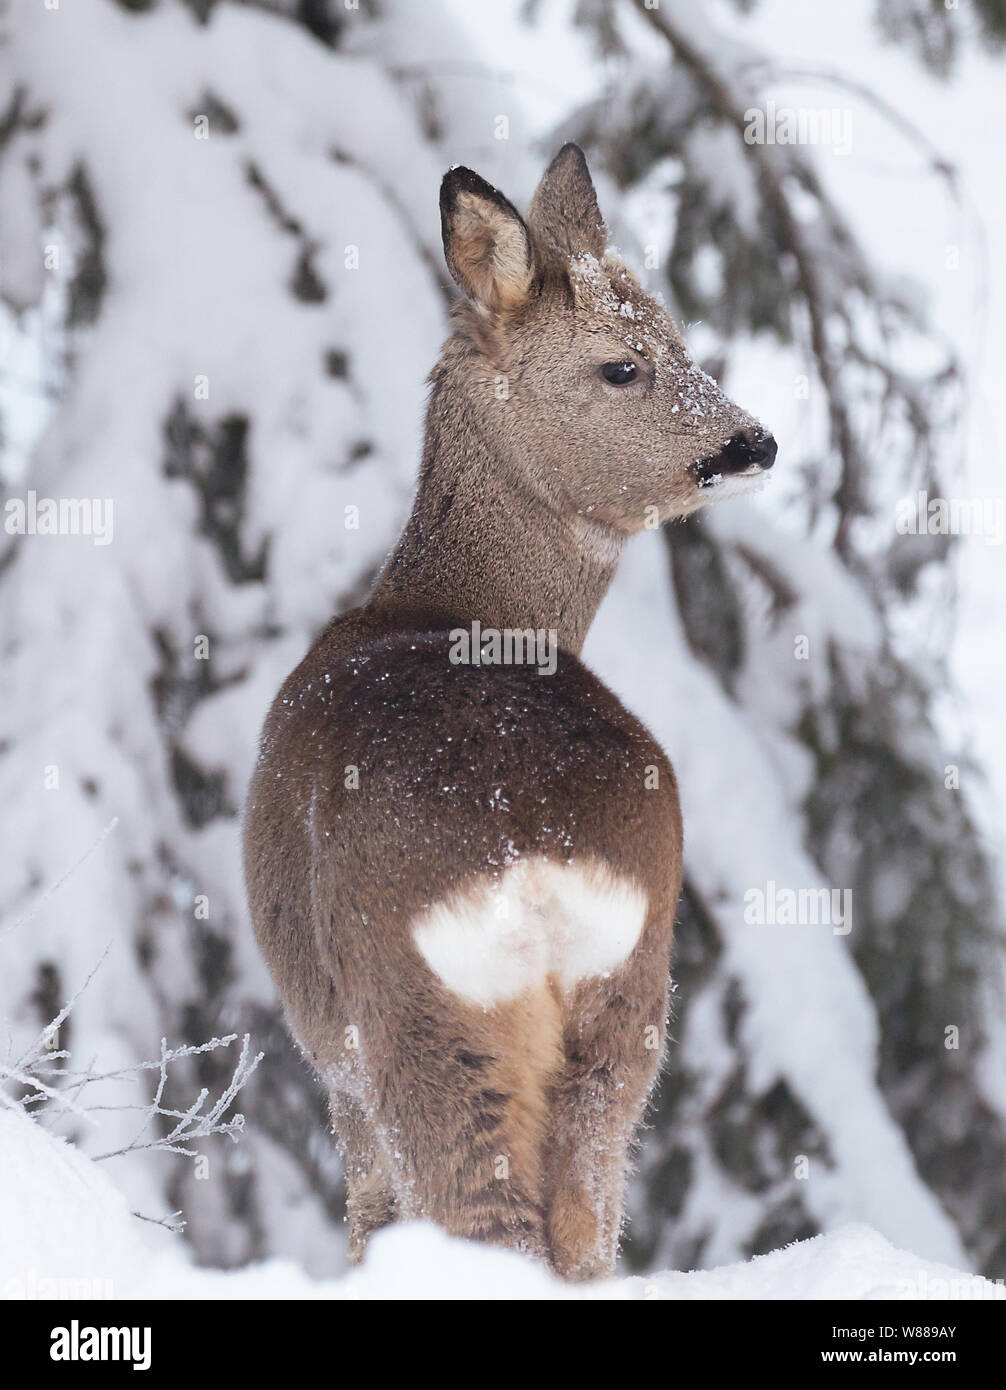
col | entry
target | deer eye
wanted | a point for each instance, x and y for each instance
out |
(619, 373)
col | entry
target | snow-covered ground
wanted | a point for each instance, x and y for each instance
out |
(67, 1232)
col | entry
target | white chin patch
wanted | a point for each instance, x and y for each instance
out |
(723, 485)
(497, 939)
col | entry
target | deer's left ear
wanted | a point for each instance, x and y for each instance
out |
(564, 211)
(486, 244)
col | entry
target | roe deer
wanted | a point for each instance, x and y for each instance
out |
(464, 876)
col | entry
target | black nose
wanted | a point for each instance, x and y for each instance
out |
(745, 449)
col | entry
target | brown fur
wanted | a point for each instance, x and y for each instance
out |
(509, 1123)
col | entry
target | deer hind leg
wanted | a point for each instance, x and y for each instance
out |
(612, 1041)
(456, 1117)
(488, 1180)
(370, 1194)
(527, 1032)
(587, 1173)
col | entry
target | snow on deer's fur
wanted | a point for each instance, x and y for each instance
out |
(464, 876)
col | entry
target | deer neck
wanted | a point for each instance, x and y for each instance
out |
(486, 540)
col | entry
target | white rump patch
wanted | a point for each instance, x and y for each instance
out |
(497, 939)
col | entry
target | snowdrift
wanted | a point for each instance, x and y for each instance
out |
(67, 1232)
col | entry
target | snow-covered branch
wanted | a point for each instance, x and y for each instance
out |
(195, 1122)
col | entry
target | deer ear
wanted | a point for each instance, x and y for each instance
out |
(564, 211)
(486, 244)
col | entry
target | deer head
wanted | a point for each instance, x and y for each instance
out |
(605, 416)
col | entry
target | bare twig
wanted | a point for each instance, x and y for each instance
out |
(53, 888)
(193, 1123)
(174, 1222)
